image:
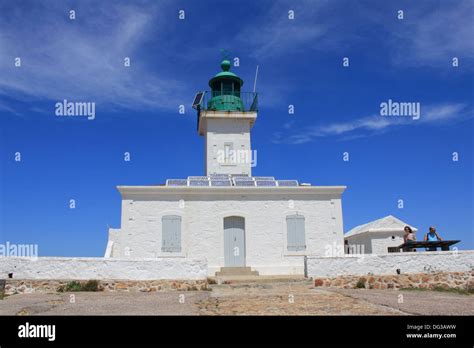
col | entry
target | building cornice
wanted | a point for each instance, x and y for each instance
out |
(233, 190)
(250, 116)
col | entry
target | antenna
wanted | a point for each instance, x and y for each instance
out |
(255, 82)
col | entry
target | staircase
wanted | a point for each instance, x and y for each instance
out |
(245, 275)
(236, 271)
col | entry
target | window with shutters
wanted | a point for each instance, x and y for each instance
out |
(171, 233)
(295, 233)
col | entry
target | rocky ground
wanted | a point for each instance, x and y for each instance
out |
(241, 299)
(284, 299)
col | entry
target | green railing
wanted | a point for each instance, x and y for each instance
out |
(229, 101)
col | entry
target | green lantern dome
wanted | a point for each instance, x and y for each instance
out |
(225, 90)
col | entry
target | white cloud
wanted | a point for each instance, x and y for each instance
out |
(445, 112)
(430, 35)
(8, 109)
(375, 124)
(83, 59)
(275, 34)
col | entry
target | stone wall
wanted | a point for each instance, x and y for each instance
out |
(59, 268)
(459, 280)
(50, 286)
(388, 264)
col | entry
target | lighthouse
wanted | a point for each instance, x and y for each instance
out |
(226, 115)
(228, 221)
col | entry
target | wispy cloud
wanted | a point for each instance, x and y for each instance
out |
(429, 34)
(375, 124)
(274, 34)
(82, 59)
(433, 35)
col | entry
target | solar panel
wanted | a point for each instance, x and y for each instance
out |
(176, 182)
(221, 183)
(267, 183)
(264, 178)
(198, 99)
(198, 178)
(243, 178)
(219, 176)
(240, 175)
(198, 182)
(244, 183)
(288, 183)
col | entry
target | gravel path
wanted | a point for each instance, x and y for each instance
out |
(241, 299)
(104, 303)
(415, 302)
(285, 299)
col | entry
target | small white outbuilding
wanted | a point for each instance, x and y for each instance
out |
(376, 236)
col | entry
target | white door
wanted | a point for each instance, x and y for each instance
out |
(234, 241)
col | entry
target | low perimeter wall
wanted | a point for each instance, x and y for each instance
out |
(27, 286)
(387, 264)
(459, 280)
(101, 268)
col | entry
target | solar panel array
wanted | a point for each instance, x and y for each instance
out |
(244, 183)
(176, 182)
(219, 176)
(199, 182)
(221, 182)
(266, 183)
(266, 178)
(226, 180)
(287, 183)
(243, 178)
(198, 178)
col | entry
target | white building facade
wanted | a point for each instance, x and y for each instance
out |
(262, 218)
(228, 217)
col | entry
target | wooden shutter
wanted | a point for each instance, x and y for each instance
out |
(171, 233)
(296, 240)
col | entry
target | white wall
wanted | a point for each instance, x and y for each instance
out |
(100, 268)
(376, 243)
(413, 262)
(362, 244)
(382, 241)
(221, 131)
(203, 228)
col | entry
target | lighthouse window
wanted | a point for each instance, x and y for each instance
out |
(171, 233)
(228, 152)
(295, 233)
(227, 87)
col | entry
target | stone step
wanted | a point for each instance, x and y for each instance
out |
(251, 280)
(236, 271)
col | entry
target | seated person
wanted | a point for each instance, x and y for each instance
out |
(432, 236)
(408, 237)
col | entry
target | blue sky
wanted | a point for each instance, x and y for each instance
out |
(337, 109)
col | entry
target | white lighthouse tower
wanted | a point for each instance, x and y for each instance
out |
(226, 116)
